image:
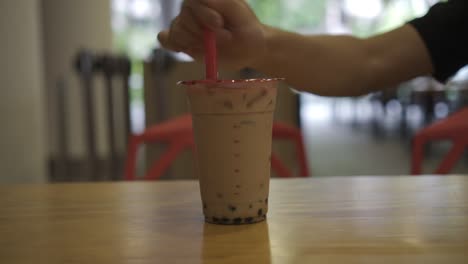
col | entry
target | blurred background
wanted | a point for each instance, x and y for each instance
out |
(80, 77)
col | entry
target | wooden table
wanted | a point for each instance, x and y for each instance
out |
(319, 220)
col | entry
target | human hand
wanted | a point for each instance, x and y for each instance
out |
(240, 35)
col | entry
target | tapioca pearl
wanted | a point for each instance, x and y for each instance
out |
(225, 220)
(260, 212)
(236, 170)
(238, 186)
(237, 220)
(232, 208)
(215, 219)
(248, 219)
(235, 141)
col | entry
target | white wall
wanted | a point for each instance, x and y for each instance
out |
(22, 134)
(38, 42)
(69, 25)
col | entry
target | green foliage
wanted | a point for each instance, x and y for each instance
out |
(291, 14)
(136, 95)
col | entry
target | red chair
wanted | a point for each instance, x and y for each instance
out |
(178, 135)
(453, 128)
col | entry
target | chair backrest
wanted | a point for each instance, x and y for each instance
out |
(88, 66)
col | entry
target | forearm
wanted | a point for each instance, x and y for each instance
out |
(344, 65)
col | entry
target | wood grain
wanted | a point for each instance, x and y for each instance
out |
(318, 220)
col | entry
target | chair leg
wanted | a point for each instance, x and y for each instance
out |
(417, 155)
(451, 158)
(279, 167)
(158, 169)
(130, 162)
(283, 131)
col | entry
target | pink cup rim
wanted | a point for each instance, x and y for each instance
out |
(255, 80)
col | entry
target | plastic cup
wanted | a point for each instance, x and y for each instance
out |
(232, 124)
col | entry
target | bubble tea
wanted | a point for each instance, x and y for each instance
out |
(232, 122)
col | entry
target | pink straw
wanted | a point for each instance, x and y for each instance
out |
(211, 64)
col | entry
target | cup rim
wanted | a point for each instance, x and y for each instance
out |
(229, 81)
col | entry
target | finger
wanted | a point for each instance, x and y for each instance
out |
(180, 37)
(204, 15)
(177, 38)
(195, 52)
(223, 36)
(193, 10)
(164, 39)
(234, 12)
(189, 23)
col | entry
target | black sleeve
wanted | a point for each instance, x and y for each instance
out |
(444, 30)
